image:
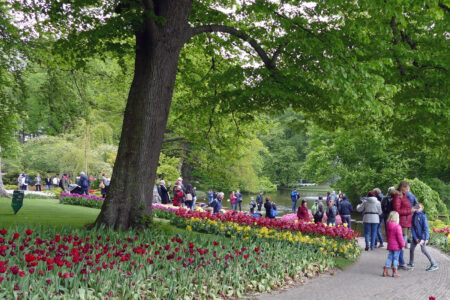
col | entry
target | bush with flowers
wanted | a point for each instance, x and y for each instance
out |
(440, 235)
(81, 200)
(49, 263)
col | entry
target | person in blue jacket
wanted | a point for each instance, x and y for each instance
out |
(294, 197)
(345, 210)
(84, 183)
(420, 235)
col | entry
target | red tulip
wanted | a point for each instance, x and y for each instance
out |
(29, 232)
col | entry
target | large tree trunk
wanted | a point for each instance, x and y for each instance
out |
(157, 50)
(3, 192)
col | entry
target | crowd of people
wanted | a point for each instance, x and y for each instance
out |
(402, 215)
(81, 185)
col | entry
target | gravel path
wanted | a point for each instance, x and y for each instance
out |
(363, 280)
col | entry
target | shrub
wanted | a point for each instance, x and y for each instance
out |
(429, 198)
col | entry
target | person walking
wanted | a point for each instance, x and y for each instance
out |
(379, 239)
(260, 200)
(395, 244)
(269, 206)
(178, 196)
(189, 198)
(420, 232)
(401, 204)
(372, 210)
(163, 192)
(104, 185)
(345, 210)
(48, 183)
(84, 183)
(55, 181)
(233, 201)
(26, 181)
(37, 182)
(331, 214)
(217, 203)
(319, 212)
(239, 199)
(210, 196)
(294, 197)
(65, 183)
(386, 205)
(194, 197)
(252, 205)
(302, 213)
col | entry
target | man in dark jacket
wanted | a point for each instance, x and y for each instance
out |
(345, 210)
(163, 192)
(260, 200)
(268, 205)
(84, 183)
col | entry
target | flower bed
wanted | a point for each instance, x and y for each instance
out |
(328, 246)
(104, 264)
(81, 200)
(279, 224)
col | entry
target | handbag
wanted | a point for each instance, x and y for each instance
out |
(102, 185)
(273, 212)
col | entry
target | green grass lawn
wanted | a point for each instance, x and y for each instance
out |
(46, 212)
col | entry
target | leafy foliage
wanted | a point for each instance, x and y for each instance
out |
(434, 206)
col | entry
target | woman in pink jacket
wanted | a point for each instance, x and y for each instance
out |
(395, 243)
(233, 200)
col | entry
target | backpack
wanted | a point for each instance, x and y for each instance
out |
(330, 213)
(386, 205)
(314, 208)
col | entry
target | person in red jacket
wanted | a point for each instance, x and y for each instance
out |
(178, 196)
(302, 212)
(402, 205)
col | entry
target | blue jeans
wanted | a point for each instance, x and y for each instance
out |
(370, 234)
(294, 205)
(48, 187)
(401, 260)
(347, 219)
(332, 222)
(379, 236)
(393, 258)
(240, 205)
(234, 206)
(85, 191)
(194, 202)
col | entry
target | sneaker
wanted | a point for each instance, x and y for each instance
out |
(403, 267)
(432, 268)
(411, 266)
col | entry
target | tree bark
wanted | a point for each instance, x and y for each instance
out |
(3, 192)
(158, 45)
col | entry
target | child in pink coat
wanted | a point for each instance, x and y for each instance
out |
(395, 243)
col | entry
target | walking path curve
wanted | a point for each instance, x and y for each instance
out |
(363, 280)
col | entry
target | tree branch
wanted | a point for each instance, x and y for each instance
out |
(269, 63)
(395, 42)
